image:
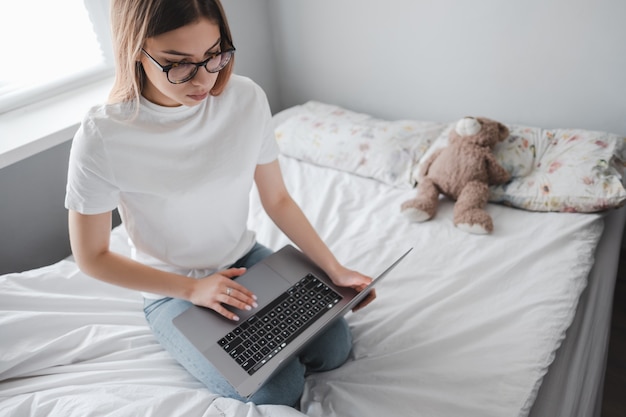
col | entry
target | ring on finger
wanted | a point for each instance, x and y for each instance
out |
(229, 291)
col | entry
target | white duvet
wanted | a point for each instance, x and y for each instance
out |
(465, 326)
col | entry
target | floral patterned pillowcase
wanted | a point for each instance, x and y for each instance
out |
(563, 170)
(334, 137)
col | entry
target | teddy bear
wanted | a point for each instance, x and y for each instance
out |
(463, 171)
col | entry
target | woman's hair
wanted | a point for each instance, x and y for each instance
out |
(133, 21)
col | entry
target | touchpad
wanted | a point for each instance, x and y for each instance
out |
(264, 282)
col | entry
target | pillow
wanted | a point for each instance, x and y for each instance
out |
(334, 137)
(565, 170)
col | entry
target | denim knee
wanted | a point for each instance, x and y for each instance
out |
(284, 388)
(330, 350)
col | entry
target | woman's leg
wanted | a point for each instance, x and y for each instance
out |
(159, 314)
(283, 388)
(329, 350)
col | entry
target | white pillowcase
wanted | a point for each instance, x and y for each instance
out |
(562, 170)
(334, 137)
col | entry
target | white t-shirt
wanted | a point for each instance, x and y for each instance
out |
(180, 176)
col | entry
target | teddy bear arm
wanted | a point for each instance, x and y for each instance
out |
(497, 174)
(426, 166)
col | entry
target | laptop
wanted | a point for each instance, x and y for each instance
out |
(297, 301)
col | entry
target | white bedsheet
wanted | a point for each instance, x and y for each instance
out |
(71, 346)
(466, 326)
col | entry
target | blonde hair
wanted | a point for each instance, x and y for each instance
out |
(133, 21)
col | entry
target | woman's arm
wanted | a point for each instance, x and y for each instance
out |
(89, 237)
(281, 208)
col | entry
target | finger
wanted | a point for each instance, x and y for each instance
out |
(220, 309)
(362, 283)
(233, 272)
(238, 300)
(240, 292)
(368, 299)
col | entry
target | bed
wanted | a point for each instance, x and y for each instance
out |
(514, 323)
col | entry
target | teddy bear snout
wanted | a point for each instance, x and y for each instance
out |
(468, 126)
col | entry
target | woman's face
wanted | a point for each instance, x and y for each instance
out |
(192, 43)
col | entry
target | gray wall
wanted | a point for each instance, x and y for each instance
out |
(557, 63)
(251, 27)
(34, 221)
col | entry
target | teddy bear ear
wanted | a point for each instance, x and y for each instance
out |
(468, 126)
(503, 131)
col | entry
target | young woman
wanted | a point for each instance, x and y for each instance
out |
(177, 149)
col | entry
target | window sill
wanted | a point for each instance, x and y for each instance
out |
(35, 128)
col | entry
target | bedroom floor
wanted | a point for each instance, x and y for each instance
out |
(614, 403)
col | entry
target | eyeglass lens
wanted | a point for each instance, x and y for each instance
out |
(183, 72)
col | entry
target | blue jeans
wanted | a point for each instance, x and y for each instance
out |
(328, 351)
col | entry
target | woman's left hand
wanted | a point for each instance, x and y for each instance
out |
(353, 279)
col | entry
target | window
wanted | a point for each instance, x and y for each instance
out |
(50, 47)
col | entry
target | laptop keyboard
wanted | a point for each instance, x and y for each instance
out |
(262, 336)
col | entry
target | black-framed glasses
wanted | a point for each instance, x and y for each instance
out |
(181, 72)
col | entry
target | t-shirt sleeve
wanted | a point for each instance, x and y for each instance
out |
(269, 148)
(90, 186)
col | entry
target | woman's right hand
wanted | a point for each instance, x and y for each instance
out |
(219, 289)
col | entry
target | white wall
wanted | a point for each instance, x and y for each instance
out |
(556, 63)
